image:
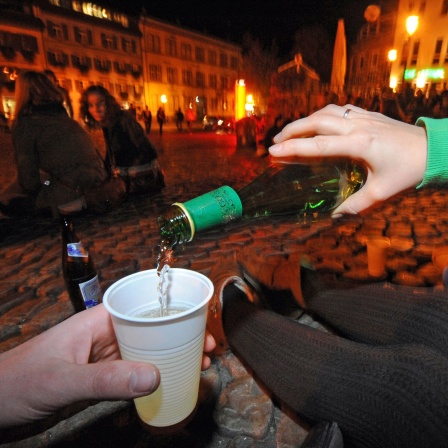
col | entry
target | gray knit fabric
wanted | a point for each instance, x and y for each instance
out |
(383, 377)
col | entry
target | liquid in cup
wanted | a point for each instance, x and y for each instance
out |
(173, 343)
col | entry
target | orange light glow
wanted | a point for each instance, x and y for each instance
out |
(240, 99)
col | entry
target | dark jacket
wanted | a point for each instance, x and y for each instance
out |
(128, 142)
(50, 146)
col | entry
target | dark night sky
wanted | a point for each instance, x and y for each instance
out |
(230, 19)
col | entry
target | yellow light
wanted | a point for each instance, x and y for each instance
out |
(393, 82)
(392, 55)
(164, 99)
(411, 24)
(421, 81)
(240, 99)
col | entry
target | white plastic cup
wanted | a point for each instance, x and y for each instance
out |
(377, 247)
(172, 343)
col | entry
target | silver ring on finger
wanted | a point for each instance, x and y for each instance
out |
(346, 113)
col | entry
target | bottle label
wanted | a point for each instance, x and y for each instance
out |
(76, 250)
(91, 292)
(217, 207)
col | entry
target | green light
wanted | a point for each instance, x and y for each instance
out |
(426, 73)
(432, 73)
(316, 205)
(410, 74)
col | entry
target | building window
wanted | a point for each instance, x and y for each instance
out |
(223, 60)
(80, 86)
(187, 77)
(122, 90)
(56, 31)
(200, 79)
(213, 81)
(57, 59)
(234, 62)
(444, 11)
(106, 84)
(214, 104)
(172, 76)
(153, 43)
(415, 49)
(83, 37)
(212, 57)
(108, 41)
(171, 47)
(66, 84)
(200, 54)
(185, 51)
(83, 63)
(102, 65)
(128, 45)
(120, 67)
(224, 82)
(437, 52)
(155, 73)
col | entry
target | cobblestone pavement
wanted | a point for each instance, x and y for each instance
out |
(234, 409)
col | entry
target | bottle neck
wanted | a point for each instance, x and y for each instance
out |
(183, 221)
(175, 226)
(72, 245)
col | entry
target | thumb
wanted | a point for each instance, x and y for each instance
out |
(352, 205)
(113, 380)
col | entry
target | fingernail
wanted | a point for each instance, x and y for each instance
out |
(276, 137)
(143, 379)
(275, 148)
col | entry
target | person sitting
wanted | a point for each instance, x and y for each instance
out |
(122, 142)
(57, 164)
(67, 102)
(380, 373)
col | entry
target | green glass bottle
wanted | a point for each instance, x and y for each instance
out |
(283, 189)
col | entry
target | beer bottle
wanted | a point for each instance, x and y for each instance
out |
(79, 270)
(285, 188)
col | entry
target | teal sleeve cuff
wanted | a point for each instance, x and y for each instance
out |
(437, 160)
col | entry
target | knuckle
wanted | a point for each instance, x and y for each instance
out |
(321, 143)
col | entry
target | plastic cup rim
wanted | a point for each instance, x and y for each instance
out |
(173, 317)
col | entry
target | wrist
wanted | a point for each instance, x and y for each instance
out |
(437, 156)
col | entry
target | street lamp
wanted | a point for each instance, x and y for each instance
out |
(411, 25)
(392, 57)
(411, 28)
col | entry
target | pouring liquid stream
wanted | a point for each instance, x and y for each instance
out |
(165, 260)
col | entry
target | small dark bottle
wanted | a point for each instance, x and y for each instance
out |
(80, 275)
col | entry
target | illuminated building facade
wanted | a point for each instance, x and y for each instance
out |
(369, 68)
(389, 53)
(142, 60)
(21, 47)
(184, 68)
(423, 54)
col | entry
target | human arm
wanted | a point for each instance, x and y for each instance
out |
(394, 153)
(73, 361)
